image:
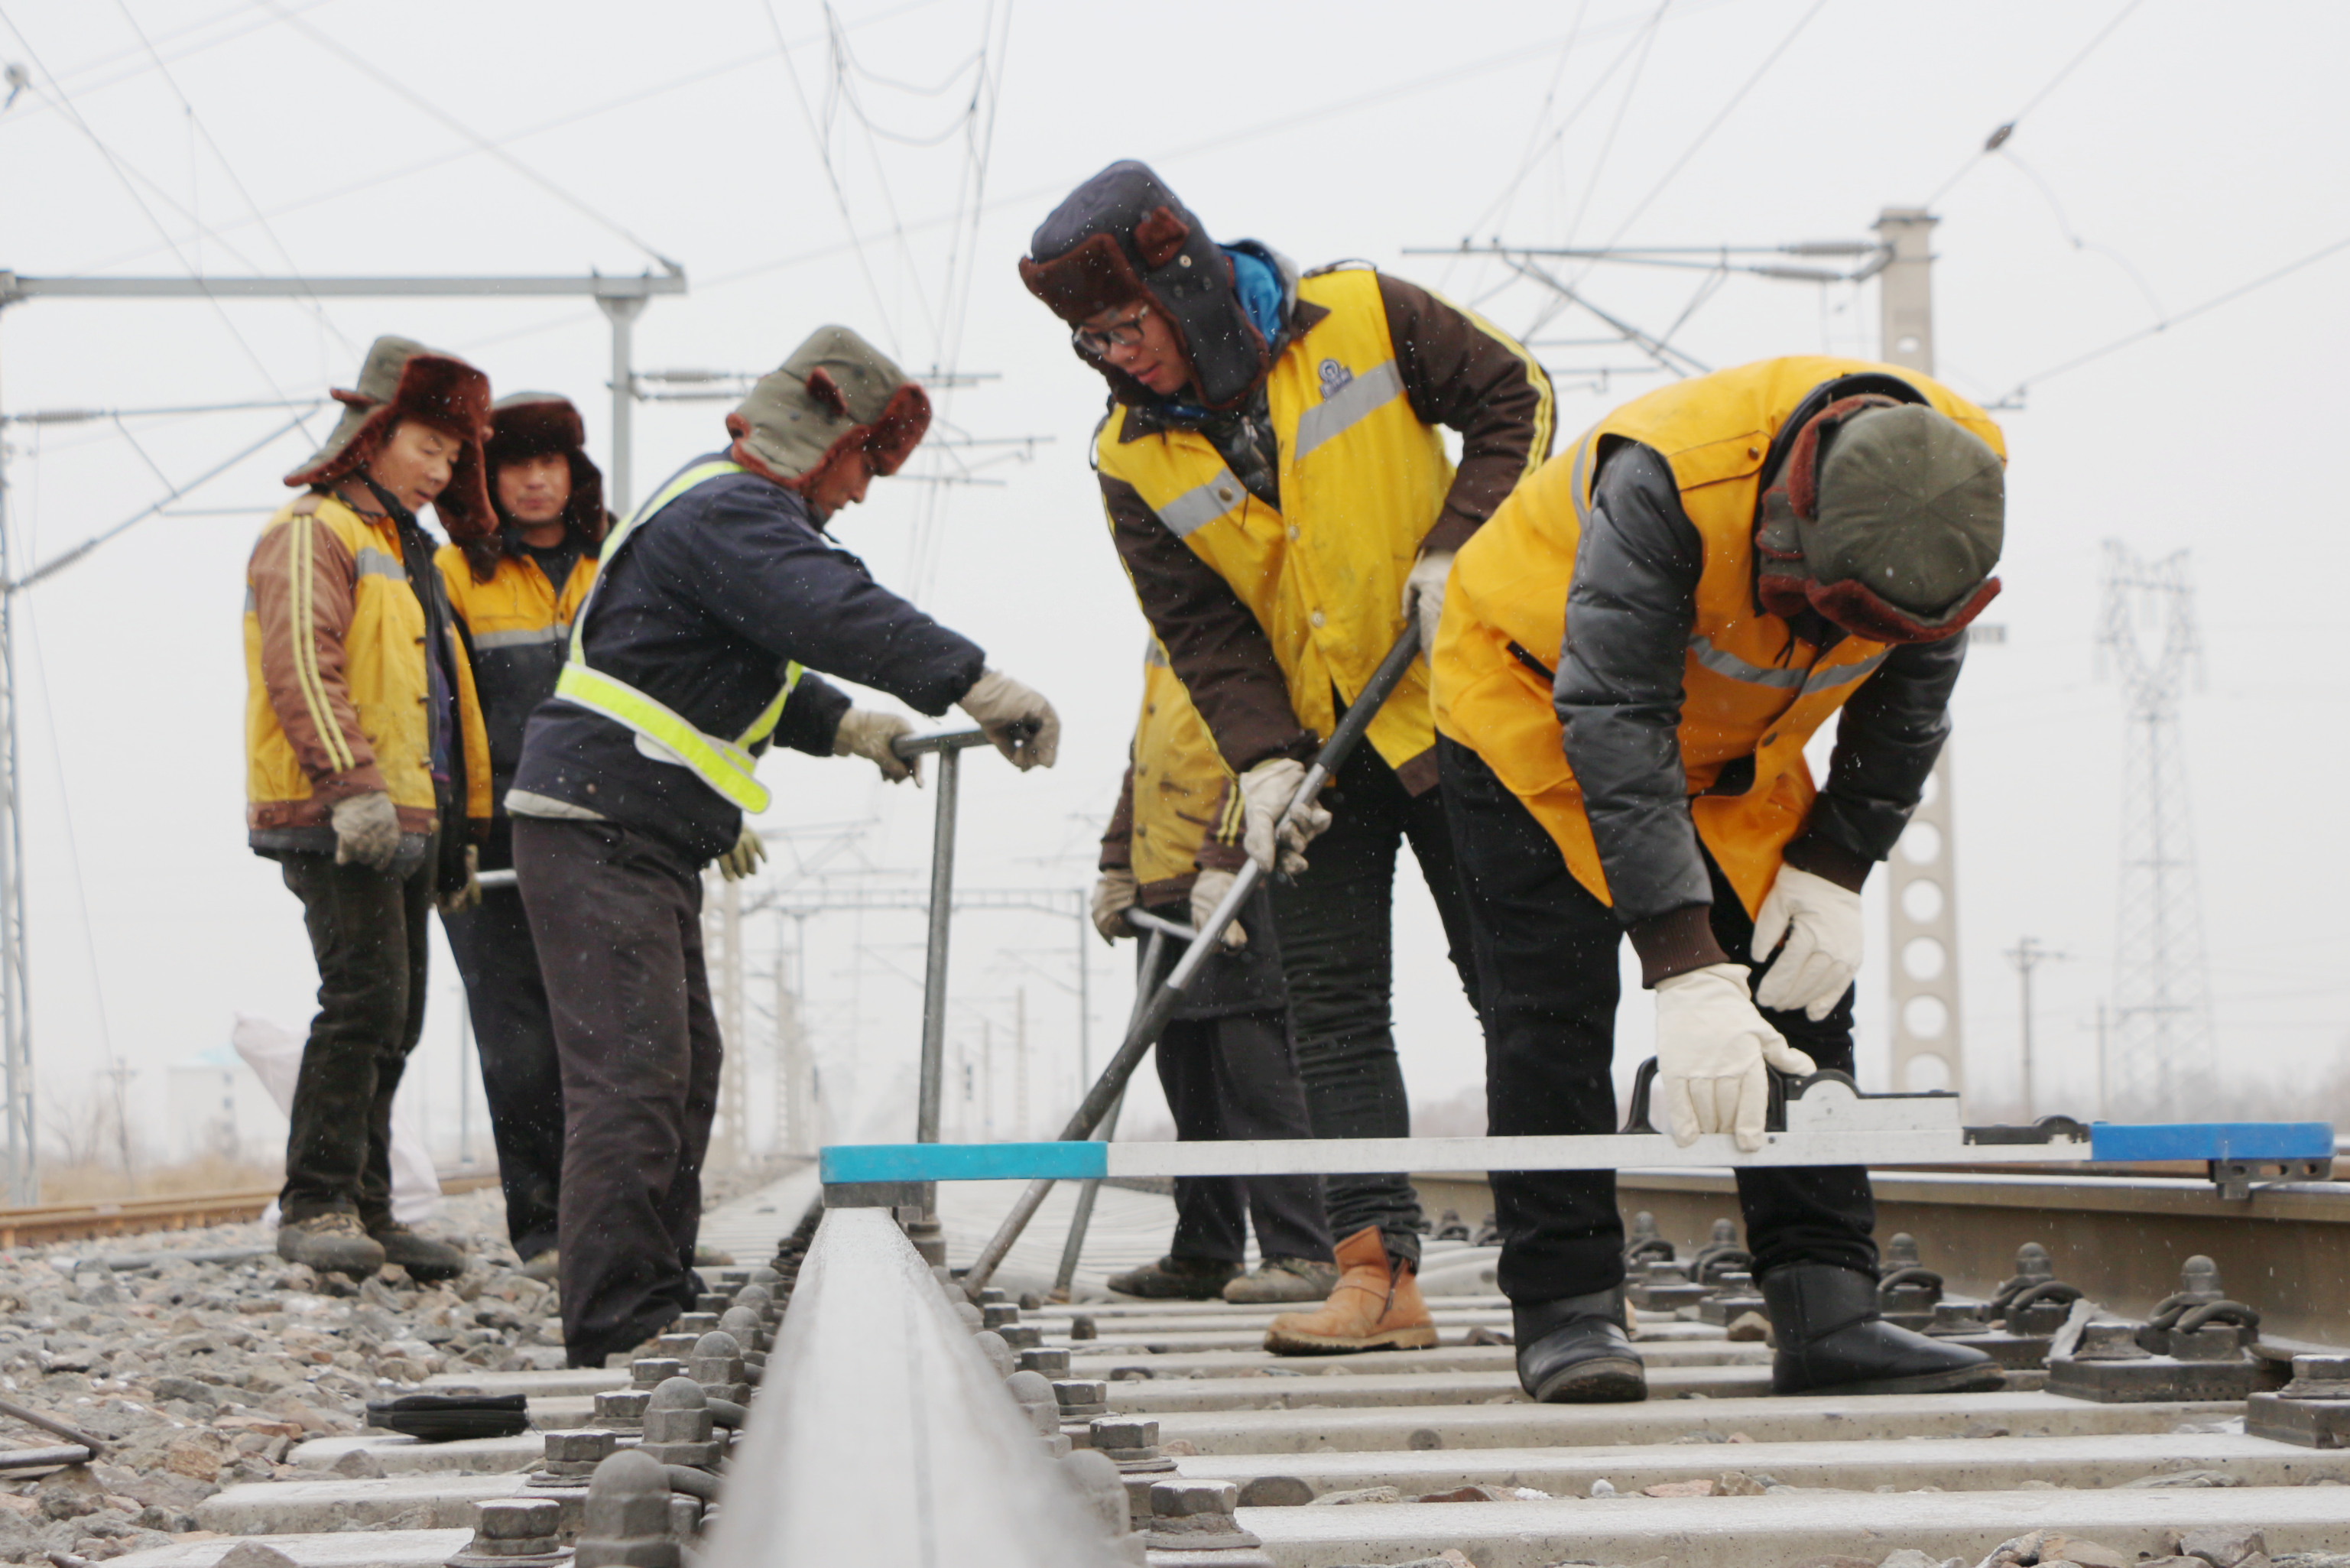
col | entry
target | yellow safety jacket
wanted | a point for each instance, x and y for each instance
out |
(727, 766)
(1361, 482)
(517, 626)
(1182, 811)
(336, 689)
(1751, 687)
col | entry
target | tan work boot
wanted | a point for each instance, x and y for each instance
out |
(1375, 1307)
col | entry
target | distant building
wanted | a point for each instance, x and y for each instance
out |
(218, 1109)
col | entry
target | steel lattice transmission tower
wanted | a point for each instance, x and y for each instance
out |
(2159, 1052)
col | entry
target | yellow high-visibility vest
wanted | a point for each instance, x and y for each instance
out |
(1750, 688)
(1362, 482)
(726, 766)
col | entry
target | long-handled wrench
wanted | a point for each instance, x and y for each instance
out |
(1143, 1032)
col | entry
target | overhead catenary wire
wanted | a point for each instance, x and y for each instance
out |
(2189, 314)
(317, 308)
(115, 167)
(1999, 135)
(481, 144)
(74, 73)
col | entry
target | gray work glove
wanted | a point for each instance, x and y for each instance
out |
(367, 830)
(1208, 891)
(743, 858)
(1114, 895)
(1020, 722)
(469, 897)
(866, 734)
(1423, 597)
(1265, 792)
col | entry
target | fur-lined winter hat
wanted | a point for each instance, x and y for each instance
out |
(837, 395)
(1888, 521)
(403, 379)
(537, 424)
(1124, 238)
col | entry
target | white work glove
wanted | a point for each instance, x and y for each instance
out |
(1265, 792)
(1711, 1046)
(1423, 596)
(1020, 722)
(367, 830)
(744, 858)
(1114, 895)
(1822, 924)
(1208, 891)
(866, 734)
(468, 896)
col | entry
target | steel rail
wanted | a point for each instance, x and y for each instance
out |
(881, 1434)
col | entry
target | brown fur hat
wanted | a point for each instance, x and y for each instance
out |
(1123, 237)
(533, 424)
(834, 396)
(403, 379)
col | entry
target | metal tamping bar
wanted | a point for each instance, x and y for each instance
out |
(1144, 1032)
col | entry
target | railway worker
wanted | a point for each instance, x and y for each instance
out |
(1280, 496)
(367, 772)
(1225, 1060)
(685, 662)
(514, 592)
(1633, 655)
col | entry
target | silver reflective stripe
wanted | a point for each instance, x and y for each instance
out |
(528, 638)
(1196, 508)
(1845, 674)
(1354, 402)
(1579, 482)
(375, 563)
(1725, 663)
(252, 604)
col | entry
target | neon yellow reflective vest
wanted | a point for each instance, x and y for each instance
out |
(1362, 481)
(1750, 688)
(726, 766)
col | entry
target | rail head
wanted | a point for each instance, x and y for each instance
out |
(881, 1434)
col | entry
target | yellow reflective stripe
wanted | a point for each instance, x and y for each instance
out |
(721, 764)
(764, 724)
(304, 644)
(725, 766)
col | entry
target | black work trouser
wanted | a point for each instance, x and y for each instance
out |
(1546, 952)
(617, 916)
(1233, 1077)
(514, 1034)
(368, 931)
(1337, 944)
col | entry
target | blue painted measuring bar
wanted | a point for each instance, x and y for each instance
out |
(1073, 1160)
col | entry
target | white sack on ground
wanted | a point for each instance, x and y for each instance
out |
(275, 1054)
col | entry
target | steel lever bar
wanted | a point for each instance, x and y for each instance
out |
(1144, 1032)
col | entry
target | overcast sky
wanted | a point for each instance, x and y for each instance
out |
(2158, 162)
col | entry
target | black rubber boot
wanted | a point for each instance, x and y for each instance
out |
(1831, 1341)
(1574, 1350)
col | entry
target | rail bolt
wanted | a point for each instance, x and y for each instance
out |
(627, 1516)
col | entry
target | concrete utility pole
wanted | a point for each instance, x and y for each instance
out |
(622, 297)
(1923, 901)
(2027, 955)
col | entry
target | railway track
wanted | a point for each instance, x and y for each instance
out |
(49, 1222)
(885, 1431)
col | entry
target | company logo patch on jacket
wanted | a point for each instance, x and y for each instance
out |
(1335, 378)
